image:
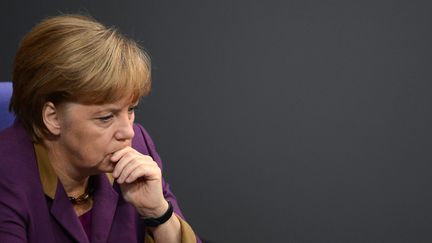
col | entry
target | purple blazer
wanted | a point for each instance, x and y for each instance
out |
(28, 215)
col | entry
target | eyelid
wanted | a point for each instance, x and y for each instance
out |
(133, 108)
(105, 118)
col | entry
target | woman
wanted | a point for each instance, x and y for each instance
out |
(75, 168)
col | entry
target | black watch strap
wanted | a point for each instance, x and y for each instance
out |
(153, 222)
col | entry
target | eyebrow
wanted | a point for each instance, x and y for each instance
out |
(112, 109)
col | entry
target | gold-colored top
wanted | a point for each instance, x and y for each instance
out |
(46, 171)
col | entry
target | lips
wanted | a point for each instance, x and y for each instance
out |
(119, 148)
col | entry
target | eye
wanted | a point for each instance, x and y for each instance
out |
(132, 109)
(105, 118)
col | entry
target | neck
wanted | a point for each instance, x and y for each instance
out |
(74, 182)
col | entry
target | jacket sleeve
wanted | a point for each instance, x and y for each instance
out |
(151, 151)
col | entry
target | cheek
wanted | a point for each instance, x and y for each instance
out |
(93, 148)
(102, 144)
(99, 144)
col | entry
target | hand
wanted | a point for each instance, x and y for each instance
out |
(140, 180)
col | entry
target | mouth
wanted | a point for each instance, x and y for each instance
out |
(106, 165)
(119, 148)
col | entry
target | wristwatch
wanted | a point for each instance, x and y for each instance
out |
(153, 222)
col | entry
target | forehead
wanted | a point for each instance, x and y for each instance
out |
(83, 108)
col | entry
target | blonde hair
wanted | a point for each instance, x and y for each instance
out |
(74, 58)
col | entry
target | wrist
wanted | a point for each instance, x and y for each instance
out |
(159, 217)
(153, 212)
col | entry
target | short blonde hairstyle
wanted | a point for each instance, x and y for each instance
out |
(74, 58)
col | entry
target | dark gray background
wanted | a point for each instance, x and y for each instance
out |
(281, 121)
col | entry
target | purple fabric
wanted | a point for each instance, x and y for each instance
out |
(85, 220)
(27, 215)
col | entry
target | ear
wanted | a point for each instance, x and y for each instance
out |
(50, 116)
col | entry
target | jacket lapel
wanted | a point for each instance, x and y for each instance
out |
(104, 207)
(104, 202)
(64, 213)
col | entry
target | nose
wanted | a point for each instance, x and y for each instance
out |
(125, 127)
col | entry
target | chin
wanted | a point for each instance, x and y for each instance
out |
(105, 168)
(105, 165)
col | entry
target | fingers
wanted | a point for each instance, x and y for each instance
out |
(120, 153)
(127, 170)
(122, 158)
(149, 172)
(132, 165)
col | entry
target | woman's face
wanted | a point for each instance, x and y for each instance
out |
(89, 134)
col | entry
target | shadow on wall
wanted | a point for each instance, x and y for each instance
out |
(204, 240)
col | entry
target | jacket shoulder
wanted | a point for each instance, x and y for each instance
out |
(144, 144)
(17, 159)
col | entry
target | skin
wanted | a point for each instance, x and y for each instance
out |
(92, 139)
